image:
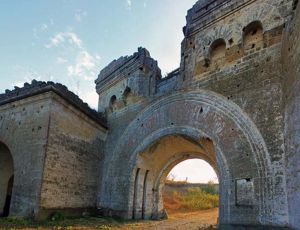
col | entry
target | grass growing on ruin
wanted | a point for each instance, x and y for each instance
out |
(194, 199)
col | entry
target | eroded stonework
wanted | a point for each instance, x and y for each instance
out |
(232, 102)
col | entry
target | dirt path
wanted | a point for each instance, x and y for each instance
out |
(176, 221)
(187, 221)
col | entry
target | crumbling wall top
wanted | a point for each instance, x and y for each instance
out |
(206, 12)
(39, 87)
(125, 66)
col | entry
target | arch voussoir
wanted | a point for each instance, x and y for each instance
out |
(240, 150)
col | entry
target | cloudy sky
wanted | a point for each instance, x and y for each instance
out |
(70, 41)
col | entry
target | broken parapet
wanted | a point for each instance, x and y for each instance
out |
(127, 81)
(206, 12)
(126, 66)
(39, 87)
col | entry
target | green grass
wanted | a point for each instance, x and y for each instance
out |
(63, 223)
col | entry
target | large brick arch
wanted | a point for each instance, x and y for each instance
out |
(240, 151)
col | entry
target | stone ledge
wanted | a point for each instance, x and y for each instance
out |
(39, 87)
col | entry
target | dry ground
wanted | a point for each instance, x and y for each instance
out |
(205, 219)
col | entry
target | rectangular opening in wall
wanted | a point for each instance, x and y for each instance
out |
(244, 192)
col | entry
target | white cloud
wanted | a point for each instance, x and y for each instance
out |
(61, 60)
(79, 14)
(129, 3)
(145, 3)
(39, 29)
(62, 37)
(85, 66)
(90, 97)
(80, 65)
(97, 56)
(44, 27)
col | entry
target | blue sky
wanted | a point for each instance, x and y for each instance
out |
(70, 41)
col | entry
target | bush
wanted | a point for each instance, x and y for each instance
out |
(197, 199)
(194, 199)
(57, 216)
(210, 188)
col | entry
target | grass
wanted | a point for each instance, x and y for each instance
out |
(64, 223)
(194, 199)
(198, 199)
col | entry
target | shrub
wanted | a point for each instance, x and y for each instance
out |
(57, 216)
(210, 188)
(193, 199)
(197, 199)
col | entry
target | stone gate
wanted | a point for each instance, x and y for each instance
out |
(232, 102)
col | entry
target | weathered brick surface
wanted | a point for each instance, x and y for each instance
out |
(290, 58)
(56, 142)
(73, 155)
(23, 128)
(231, 59)
(232, 102)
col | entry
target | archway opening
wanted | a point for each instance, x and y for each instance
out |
(192, 186)
(192, 119)
(6, 180)
(155, 163)
(217, 54)
(253, 37)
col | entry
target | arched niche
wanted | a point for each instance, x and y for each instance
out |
(217, 53)
(253, 38)
(112, 103)
(127, 92)
(126, 95)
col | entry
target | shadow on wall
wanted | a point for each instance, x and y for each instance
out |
(6, 180)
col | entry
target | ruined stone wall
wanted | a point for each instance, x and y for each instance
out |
(127, 81)
(291, 61)
(24, 128)
(250, 78)
(55, 141)
(232, 48)
(73, 160)
(139, 73)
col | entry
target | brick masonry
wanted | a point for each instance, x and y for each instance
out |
(230, 88)
(233, 102)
